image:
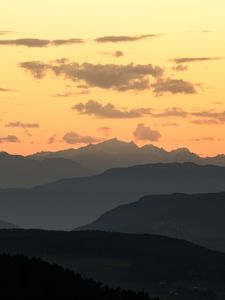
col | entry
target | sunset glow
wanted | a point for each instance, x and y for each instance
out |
(77, 72)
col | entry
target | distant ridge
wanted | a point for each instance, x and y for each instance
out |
(198, 218)
(69, 203)
(23, 172)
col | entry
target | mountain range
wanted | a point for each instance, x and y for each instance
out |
(198, 218)
(70, 203)
(114, 153)
(23, 172)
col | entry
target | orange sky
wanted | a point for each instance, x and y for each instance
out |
(160, 64)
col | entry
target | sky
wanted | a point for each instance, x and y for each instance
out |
(84, 71)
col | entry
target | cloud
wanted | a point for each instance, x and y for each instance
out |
(9, 139)
(171, 112)
(4, 32)
(124, 38)
(5, 90)
(194, 59)
(109, 76)
(115, 54)
(210, 139)
(28, 133)
(145, 133)
(118, 54)
(39, 43)
(19, 124)
(218, 116)
(94, 108)
(167, 124)
(74, 138)
(180, 68)
(174, 86)
(105, 131)
(205, 122)
(52, 139)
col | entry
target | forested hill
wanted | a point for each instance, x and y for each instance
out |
(23, 278)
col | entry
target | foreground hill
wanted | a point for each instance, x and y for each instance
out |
(146, 262)
(18, 171)
(198, 218)
(23, 278)
(70, 203)
(115, 153)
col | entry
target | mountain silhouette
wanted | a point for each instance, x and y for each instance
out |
(19, 171)
(140, 262)
(33, 278)
(70, 203)
(115, 153)
(198, 218)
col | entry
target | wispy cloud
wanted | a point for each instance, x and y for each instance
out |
(9, 139)
(19, 124)
(183, 60)
(5, 90)
(105, 131)
(39, 43)
(124, 38)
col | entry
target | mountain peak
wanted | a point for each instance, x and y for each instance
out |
(114, 146)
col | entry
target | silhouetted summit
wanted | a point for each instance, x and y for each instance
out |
(115, 153)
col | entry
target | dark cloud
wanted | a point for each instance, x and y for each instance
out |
(115, 54)
(124, 38)
(52, 139)
(74, 138)
(39, 43)
(105, 131)
(118, 54)
(180, 68)
(183, 60)
(145, 133)
(174, 86)
(9, 139)
(109, 76)
(99, 110)
(19, 124)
